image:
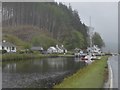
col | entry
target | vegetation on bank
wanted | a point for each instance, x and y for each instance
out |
(15, 56)
(44, 41)
(20, 44)
(6, 57)
(92, 76)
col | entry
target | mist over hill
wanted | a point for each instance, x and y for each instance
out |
(111, 47)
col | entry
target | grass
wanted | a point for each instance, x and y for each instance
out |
(44, 41)
(7, 57)
(15, 56)
(91, 76)
(26, 35)
(20, 44)
(66, 55)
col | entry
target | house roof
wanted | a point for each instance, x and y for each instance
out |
(63, 48)
(53, 48)
(36, 48)
(7, 44)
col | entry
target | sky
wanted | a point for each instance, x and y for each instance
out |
(104, 19)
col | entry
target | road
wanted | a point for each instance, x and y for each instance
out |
(113, 64)
(0, 78)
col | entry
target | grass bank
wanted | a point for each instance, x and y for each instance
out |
(7, 57)
(92, 76)
(15, 56)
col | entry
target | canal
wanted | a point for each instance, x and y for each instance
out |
(42, 73)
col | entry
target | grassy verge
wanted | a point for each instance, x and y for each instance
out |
(67, 55)
(7, 57)
(91, 76)
(15, 56)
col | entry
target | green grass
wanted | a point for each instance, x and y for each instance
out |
(91, 76)
(66, 55)
(7, 57)
(16, 41)
(25, 35)
(17, 56)
(44, 41)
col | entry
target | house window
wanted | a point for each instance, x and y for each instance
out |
(13, 48)
(2, 47)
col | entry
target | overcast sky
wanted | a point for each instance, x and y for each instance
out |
(104, 17)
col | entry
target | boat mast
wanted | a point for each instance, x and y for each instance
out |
(90, 34)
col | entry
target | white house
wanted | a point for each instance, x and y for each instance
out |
(61, 49)
(94, 49)
(51, 50)
(9, 47)
(57, 49)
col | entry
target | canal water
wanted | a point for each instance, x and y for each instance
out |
(42, 73)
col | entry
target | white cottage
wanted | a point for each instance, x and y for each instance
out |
(94, 49)
(51, 50)
(61, 49)
(9, 47)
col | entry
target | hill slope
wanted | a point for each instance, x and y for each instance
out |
(44, 24)
(27, 36)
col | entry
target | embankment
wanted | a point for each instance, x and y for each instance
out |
(92, 76)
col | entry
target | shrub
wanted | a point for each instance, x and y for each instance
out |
(3, 51)
(25, 51)
(21, 51)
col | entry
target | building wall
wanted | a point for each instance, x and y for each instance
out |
(0, 47)
(8, 49)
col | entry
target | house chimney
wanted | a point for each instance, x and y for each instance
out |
(56, 46)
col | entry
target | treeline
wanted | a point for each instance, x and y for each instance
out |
(97, 40)
(60, 21)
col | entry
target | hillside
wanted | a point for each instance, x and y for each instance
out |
(26, 36)
(43, 24)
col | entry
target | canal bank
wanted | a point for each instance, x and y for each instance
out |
(92, 76)
(17, 57)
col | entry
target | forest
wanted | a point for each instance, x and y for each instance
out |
(44, 23)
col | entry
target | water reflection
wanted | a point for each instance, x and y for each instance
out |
(77, 59)
(33, 70)
(43, 65)
(10, 67)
